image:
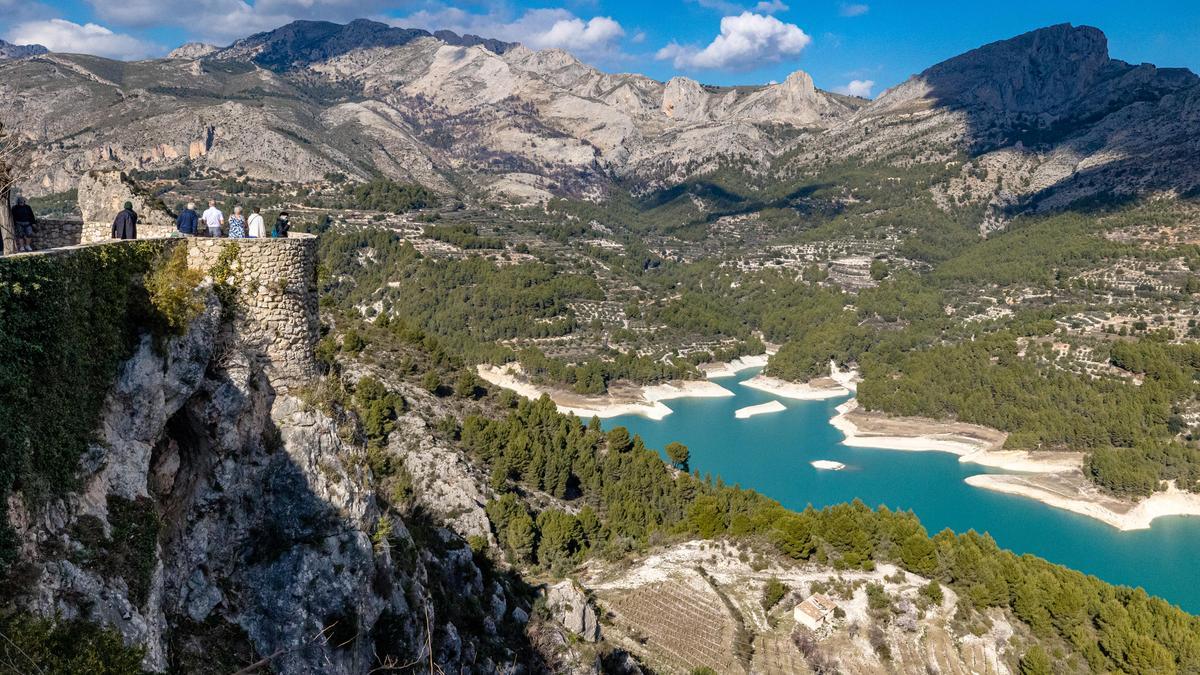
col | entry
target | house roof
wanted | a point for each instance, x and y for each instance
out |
(817, 606)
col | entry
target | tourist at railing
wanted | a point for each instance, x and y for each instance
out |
(281, 225)
(125, 224)
(23, 222)
(189, 220)
(258, 228)
(213, 219)
(237, 224)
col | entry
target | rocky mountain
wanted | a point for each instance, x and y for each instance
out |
(1037, 121)
(1043, 119)
(302, 43)
(11, 51)
(192, 51)
(311, 98)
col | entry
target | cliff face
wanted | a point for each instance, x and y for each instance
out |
(218, 519)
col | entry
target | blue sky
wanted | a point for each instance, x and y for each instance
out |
(860, 47)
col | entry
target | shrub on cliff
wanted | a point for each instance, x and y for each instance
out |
(173, 290)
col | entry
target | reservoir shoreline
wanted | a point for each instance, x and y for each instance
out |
(1052, 478)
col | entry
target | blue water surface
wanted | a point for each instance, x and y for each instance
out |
(771, 453)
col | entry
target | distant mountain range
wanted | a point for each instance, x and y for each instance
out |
(1038, 121)
(11, 51)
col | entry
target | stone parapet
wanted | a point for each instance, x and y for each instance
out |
(56, 233)
(274, 284)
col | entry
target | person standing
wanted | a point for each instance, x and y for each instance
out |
(258, 229)
(188, 221)
(23, 222)
(281, 225)
(213, 219)
(125, 224)
(237, 224)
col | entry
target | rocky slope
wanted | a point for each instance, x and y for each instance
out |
(219, 521)
(1041, 120)
(1038, 121)
(311, 98)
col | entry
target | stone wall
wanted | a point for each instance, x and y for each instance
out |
(97, 232)
(56, 233)
(276, 297)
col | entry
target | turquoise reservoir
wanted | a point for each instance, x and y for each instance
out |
(771, 453)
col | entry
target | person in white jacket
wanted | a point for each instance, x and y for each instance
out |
(258, 228)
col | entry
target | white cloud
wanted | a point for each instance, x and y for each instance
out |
(729, 7)
(770, 7)
(857, 88)
(854, 9)
(225, 20)
(536, 28)
(746, 40)
(60, 35)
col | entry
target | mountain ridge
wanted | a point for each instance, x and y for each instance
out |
(1050, 107)
(11, 51)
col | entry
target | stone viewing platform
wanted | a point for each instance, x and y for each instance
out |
(276, 293)
(273, 280)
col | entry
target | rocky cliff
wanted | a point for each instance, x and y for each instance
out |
(216, 519)
(1038, 121)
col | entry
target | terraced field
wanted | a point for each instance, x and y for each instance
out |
(682, 621)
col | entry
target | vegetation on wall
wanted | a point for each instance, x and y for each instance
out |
(35, 645)
(67, 322)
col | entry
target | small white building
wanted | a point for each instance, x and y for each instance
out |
(814, 611)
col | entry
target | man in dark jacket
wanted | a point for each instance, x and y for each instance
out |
(188, 220)
(23, 222)
(125, 225)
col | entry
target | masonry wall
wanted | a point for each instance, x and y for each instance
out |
(98, 232)
(276, 298)
(274, 280)
(56, 234)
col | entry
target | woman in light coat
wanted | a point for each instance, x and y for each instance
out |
(258, 229)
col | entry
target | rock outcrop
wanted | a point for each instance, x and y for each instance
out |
(192, 51)
(249, 527)
(570, 607)
(102, 195)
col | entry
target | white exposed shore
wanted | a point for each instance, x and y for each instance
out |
(760, 409)
(801, 391)
(717, 370)
(827, 465)
(970, 449)
(1053, 478)
(1085, 500)
(648, 401)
